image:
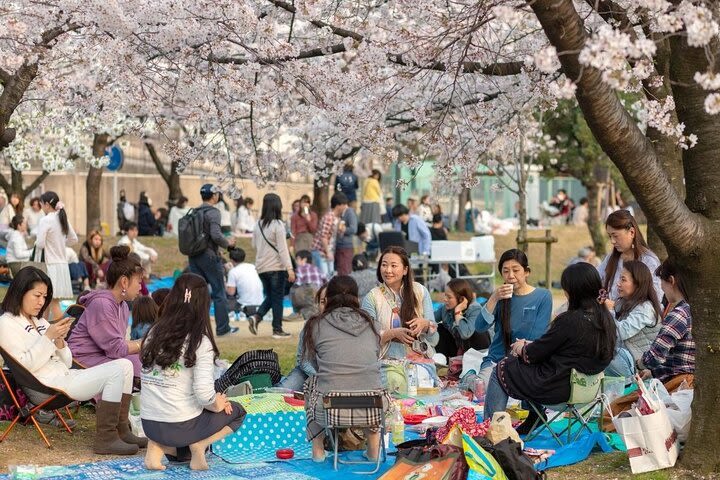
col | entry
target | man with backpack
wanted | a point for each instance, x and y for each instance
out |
(200, 238)
(347, 183)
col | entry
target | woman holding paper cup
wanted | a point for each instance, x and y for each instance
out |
(518, 310)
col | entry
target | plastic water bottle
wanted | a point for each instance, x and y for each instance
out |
(412, 377)
(397, 427)
(474, 384)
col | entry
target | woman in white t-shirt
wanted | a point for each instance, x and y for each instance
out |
(176, 213)
(53, 235)
(17, 249)
(181, 413)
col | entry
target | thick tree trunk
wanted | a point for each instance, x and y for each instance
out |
(522, 217)
(462, 200)
(702, 180)
(92, 185)
(595, 226)
(321, 197)
(688, 233)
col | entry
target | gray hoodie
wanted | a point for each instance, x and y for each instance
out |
(347, 351)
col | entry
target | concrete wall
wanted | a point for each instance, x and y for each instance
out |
(70, 186)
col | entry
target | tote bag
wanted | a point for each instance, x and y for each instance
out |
(651, 442)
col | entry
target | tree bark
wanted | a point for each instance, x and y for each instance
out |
(92, 185)
(462, 200)
(595, 226)
(686, 230)
(171, 178)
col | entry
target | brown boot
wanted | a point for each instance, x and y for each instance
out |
(107, 441)
(124, 430)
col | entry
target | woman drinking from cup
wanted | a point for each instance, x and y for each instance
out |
(518, 310)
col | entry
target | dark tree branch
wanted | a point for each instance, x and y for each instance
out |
(7, 186)
(617, 133)
(497, 69)
(158, 163)
(4, 76)
(35, 183)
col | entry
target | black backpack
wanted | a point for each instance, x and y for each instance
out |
(192, 238)
(249, 363)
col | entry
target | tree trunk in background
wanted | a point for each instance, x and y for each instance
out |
(171, 178)
(321, 196)
(92, 185)
(462, 201)
(595, 226)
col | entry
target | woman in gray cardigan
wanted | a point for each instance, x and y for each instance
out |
(343, 345)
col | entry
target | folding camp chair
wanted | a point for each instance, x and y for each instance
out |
(25, 379)
(585, 395)
(355, 410)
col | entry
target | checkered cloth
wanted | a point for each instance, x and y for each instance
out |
(319, 418)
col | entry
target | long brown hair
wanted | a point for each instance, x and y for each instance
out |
(341, 291)
(644, 290)
(623, 220)
(184, 320)
(97, 254)
(409, 302)
(520, 257)
(461, 288)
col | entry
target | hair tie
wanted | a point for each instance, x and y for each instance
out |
(188, 295)
(602, 295)
(59, 206)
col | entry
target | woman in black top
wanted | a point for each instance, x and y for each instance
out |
(437, 230)
(582, 338)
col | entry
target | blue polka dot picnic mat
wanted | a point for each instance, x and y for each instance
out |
(262, 434)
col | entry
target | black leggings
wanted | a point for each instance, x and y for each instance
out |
(450, 346)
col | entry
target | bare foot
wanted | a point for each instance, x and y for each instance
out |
(198, 460)
(154, 455)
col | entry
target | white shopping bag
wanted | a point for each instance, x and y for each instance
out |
(651, 441)
(678, 406)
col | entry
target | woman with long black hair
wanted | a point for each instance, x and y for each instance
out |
(517, 309)
(53, 235)
(273, 264)
(583, 338)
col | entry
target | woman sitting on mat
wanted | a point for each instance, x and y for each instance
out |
(41, 348)
(343, 345)
(101, 332)
(637, 315)
(401, 307)
(583, 338)
(180, 409)
(517, 310)
(456, 320)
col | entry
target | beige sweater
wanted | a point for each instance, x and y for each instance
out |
(266, 258)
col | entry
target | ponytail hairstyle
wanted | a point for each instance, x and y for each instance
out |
(410, 302)
(52, 199)
(123, 265)
(582, 284)
(644, 290)
(623, 220)
(341, 292)
(16, 221)
(520, 257)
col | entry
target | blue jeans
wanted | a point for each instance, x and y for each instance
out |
(274, 287)
(622, 364)
(209, 266)
(496, 399)
(326, 267)
(294, 380)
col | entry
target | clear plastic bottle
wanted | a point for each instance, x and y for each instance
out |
(412, 377)
(397, 427)
(471, 382)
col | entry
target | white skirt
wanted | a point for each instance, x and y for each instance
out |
(59, 274)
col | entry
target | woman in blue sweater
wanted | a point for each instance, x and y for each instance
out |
(518, 310)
